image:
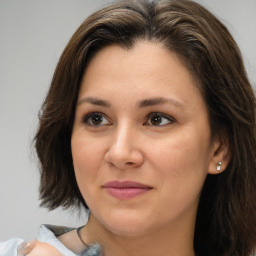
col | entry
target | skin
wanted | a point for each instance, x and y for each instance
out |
(123, 143)
(36, 248)
(165, 144)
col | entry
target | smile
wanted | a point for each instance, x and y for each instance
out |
(126, 189)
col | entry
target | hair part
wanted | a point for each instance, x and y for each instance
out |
(226, 221)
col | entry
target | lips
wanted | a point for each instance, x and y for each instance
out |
(126, 189)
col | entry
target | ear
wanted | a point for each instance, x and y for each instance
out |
(220, 156)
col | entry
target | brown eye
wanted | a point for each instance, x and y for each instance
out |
(158, 119)
(95, 119)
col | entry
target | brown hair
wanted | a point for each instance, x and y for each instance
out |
(226, 220)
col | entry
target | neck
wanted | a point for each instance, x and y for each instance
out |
(169, 240)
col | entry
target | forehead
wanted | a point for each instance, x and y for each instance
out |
(148, 64)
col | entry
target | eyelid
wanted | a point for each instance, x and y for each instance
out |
(86, 117)
(91, 114)
(165, 116)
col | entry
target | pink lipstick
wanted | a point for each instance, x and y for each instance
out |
(125, 189)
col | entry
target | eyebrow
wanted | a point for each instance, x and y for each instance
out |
(141, 104)
(159, 101)
(95, 101)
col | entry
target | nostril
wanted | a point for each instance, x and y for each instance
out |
(129, 163)
(123, 159)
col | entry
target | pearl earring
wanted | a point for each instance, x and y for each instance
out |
(219, 166)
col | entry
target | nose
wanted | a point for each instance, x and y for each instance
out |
(124, 150)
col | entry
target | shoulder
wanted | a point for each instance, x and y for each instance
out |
(47, 234)
(50, 234)
(10, 246)
(67, 241)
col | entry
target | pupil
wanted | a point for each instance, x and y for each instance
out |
(156, 120)
(97, 119)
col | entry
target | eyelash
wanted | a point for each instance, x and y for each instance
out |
(169, 119)
(91, 115)
(87, 119)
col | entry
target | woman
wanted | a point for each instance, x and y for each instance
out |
(150, 124)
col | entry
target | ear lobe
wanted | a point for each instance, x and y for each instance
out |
(220, 157)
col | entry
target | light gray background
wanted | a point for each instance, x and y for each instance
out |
(33, 34)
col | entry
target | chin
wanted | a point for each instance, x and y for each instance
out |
(127, 226)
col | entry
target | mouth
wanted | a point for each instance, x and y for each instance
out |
(126, 189)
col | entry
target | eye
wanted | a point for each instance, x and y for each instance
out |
(159, 119)
(95, 119)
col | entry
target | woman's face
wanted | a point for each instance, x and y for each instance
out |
(141, 140)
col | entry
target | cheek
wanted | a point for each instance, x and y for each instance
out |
(182, 152)
(87, 158)
(182, 165)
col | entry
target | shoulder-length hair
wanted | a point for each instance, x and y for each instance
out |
(226, 219)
